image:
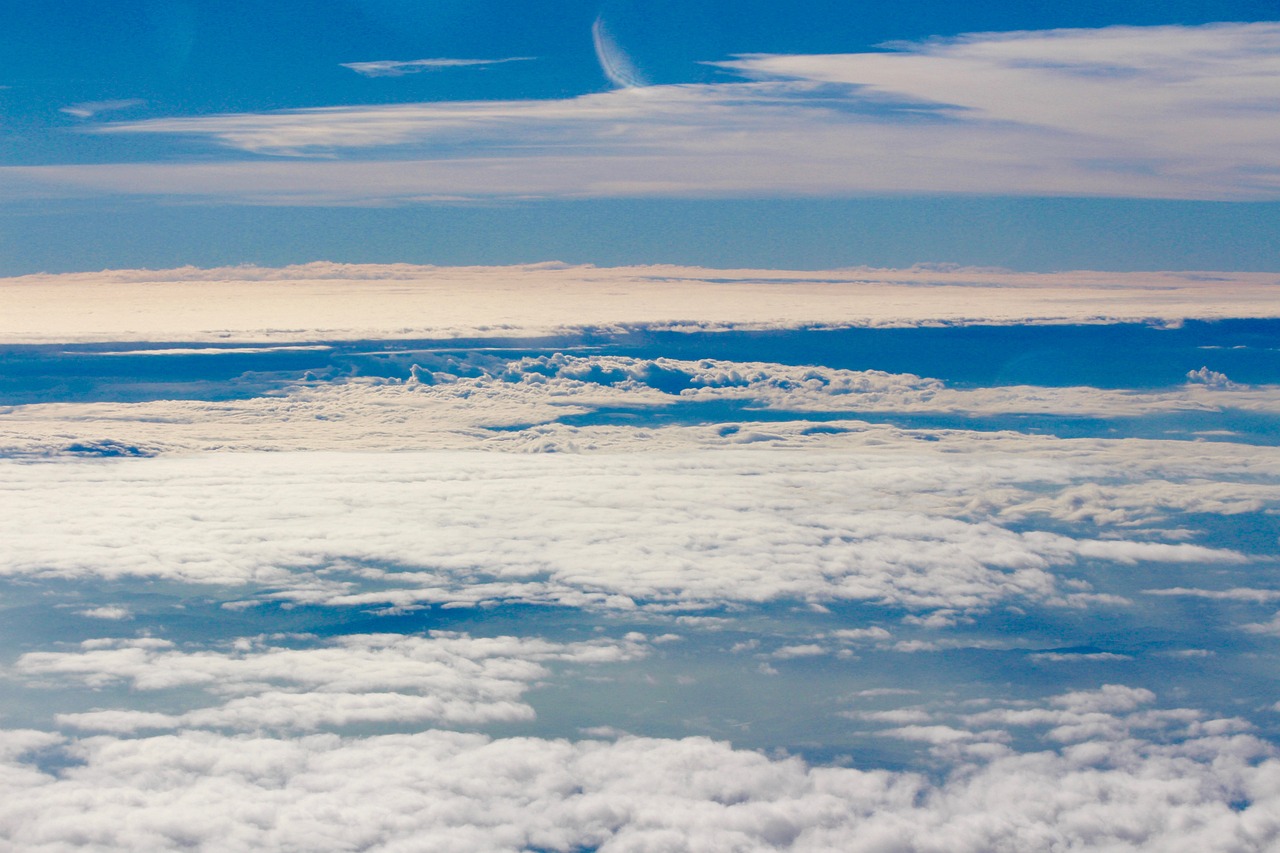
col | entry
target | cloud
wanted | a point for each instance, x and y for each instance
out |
(609, 530)
(329, 302)
(1077, 657)
(108, 612)
(399, 68)
(1154, 112)
(89, 109)
(1141, 781)
(442, 677)
(1256, 596)
(1211, 378)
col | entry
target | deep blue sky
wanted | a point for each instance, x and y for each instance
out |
(73, 69)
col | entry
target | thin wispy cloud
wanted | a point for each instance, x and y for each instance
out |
(400, 68)
(89, 109)
(1158, 112)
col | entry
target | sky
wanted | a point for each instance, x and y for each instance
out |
(1032, 136)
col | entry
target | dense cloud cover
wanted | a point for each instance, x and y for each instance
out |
(326, 301)
(918, 528)
(1108, 787)
(590, 594)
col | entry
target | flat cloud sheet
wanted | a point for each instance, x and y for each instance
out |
(556, 558)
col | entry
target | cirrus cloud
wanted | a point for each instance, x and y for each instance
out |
(1157, 112)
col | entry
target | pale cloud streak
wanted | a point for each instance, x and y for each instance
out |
(399, 68)
(1160, 112)
(89, 109)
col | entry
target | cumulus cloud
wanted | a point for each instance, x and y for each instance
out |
(1155, 112)
(107, 612)
(1191, 785)
(475, 400)
(1211, 378)
(399, 68)
(441, 677)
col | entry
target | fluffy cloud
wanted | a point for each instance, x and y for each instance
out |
(372, 678)
(1203, 790)
(608, 530)
(454, 401)
(1158, 112)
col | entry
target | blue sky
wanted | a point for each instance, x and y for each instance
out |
(1034, 136)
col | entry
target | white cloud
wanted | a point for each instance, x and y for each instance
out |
(457, 403)
(1257, 596)
(1077, 657)
(89, 109)
(800, 650)
(595, 530)
(380, 678)
(1156, 112)
(399, 68)
(107, 612)
(443, 791)
(323, 301)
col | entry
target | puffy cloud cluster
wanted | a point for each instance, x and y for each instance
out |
(1108, 780)
(456, 401)
(442, 677)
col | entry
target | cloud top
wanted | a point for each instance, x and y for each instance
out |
(326, 301)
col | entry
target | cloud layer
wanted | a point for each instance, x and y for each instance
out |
(913, 529)
(1112, 775)
(324, 301)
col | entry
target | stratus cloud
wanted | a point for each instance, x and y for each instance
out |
(324, 301)
(441, 677)
(1157, 112)
(399, 68)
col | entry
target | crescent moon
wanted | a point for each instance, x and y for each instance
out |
(614, 62)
